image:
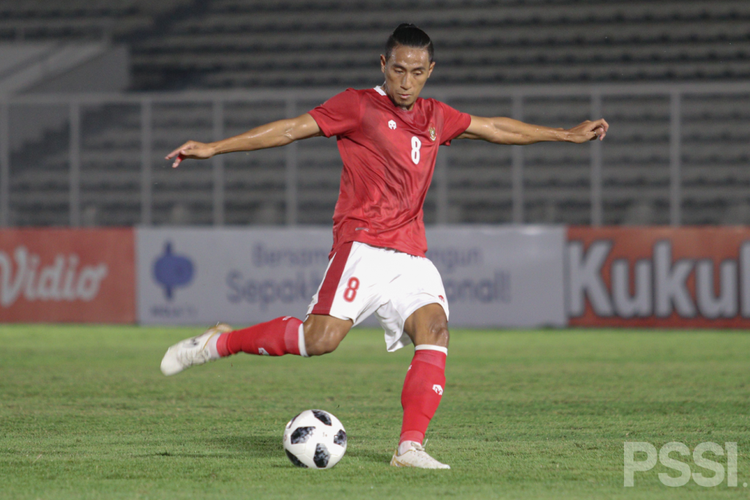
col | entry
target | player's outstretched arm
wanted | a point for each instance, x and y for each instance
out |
(502, 130)
(270, 135)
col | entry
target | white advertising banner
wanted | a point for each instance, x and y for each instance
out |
(493, 276)
(240, 276)
(501, 276)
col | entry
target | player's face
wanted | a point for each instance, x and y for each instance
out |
(406, 72)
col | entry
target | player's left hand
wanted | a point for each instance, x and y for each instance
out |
(589, 131)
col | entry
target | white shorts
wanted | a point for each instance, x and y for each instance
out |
(362, 280)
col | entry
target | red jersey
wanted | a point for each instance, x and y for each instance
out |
(389, 157)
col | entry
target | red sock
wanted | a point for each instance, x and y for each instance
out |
(423, 389)
(274, 338)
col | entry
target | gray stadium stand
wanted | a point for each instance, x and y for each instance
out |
(250, 44)
(301, 44)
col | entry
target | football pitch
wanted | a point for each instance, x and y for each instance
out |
(86, 413)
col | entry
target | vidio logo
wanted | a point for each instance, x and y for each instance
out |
(665, 457)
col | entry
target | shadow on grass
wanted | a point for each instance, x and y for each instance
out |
(271, 447)
(254, 446)
(226, 447)
(177, 454)
(369, 456)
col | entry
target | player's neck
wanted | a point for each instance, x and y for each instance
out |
(384, 86)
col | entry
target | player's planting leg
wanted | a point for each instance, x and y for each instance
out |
(424, 385)
(420, 398)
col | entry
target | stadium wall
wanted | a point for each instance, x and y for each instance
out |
(495, 276)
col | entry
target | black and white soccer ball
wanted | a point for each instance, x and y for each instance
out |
(315, 439)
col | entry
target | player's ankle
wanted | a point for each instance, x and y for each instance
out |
(219, 345)
(406, 445)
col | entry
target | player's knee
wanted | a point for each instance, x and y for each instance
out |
(323, 334)
(437, 333)
(321, 339)
(320, 346)
(440, 334)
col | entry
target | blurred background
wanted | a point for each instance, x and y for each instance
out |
(94, 94)
(649, 230)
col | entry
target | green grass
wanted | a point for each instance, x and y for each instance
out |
(85, 413)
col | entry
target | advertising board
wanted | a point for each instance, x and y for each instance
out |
(493, 276)
(240, 276)
(501, 276)
(67, 275)
(659, 276)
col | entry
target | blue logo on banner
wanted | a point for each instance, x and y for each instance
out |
(172, 271)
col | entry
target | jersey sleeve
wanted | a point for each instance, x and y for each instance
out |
(339, 115)
(455, 123)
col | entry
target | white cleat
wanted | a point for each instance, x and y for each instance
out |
(415, 456)
(190, 352)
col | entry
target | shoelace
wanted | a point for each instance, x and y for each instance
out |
(420, 448)
(189, 358)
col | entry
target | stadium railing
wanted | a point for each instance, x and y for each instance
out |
(675, 155)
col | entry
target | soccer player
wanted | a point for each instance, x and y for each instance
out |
(388, 139)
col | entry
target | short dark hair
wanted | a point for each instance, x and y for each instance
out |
(409, 35)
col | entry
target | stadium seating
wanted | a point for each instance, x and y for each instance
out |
(250, 44)
(233, 44)
(48, 19)
(557, 177)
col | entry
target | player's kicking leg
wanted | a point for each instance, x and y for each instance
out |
(193, 351)
(423, 387)
(317, 335)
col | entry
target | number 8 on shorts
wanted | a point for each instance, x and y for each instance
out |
(350, 292)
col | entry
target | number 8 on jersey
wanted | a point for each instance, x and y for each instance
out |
(416, 145)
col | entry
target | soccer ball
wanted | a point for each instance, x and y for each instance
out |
(314, 439)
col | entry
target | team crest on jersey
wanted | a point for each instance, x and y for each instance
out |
(433, 134)
(392, 125)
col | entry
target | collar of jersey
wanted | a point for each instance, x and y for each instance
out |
(380, 91)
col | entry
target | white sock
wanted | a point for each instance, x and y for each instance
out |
(211, 346)
(404, 447)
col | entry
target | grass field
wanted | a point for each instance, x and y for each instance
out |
(85, 413)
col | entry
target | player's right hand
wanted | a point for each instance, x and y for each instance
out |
(191, 149)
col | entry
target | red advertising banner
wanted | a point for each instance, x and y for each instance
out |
(658, 277)
(68, 275)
